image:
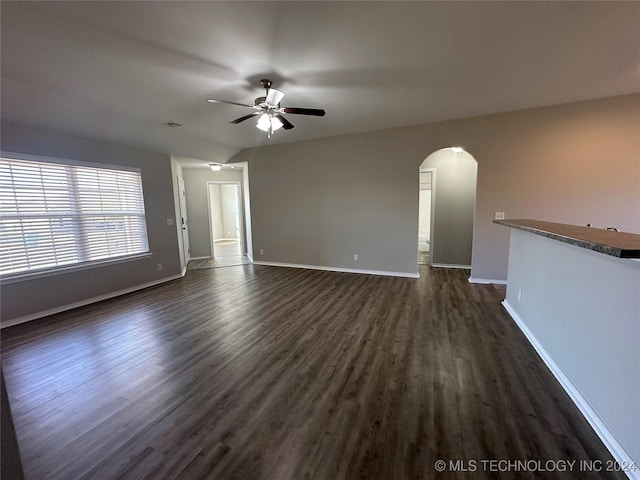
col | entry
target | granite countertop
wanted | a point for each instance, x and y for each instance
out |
(616, 244)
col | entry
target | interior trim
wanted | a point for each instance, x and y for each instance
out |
(87, 301)
(450, 265)
(487, 281)
(339, 269)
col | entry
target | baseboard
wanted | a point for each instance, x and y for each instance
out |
(201, 258)
(224, 239)
(617, 451)
(487, 281)
(338, 269)
(82, 303)
(450, 265)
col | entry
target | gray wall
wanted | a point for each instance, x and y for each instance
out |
(36, 295)
(320, 201)
(195, 185)
(582, 308)
(455, 199)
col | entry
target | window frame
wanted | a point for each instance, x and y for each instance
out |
(9, 277)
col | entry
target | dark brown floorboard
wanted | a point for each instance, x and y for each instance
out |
(255, 372)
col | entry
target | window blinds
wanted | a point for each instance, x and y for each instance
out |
(54, 214)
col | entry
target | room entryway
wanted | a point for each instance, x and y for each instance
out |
(226, 226)
(447, 208)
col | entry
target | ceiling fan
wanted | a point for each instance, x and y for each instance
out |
(269, 110)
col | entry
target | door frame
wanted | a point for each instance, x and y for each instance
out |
(431, 170)
(184, 221)
(240, 212)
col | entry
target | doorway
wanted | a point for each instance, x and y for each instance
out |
(425, 214)
(225, 220)
(450, 214)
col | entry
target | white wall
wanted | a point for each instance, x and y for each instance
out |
(217, 230)
(229, 197)
(424, 211)
(582, 308)
(28, 297)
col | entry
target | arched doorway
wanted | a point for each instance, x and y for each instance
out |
(447, 207)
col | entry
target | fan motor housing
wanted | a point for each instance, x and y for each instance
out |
(266, 83)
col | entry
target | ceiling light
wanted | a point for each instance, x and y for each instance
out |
(215, 167)
(264, 122)
(275, 123)
(269, 123)
(457, 149)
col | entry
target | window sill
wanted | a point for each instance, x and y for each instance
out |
(25, 276)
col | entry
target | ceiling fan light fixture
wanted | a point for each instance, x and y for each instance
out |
(267, 123)
(275, 123)
(264, 122)
(269, 111)
(215, 167)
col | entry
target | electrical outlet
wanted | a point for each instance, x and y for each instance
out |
(159, 266)
(498, 216)
(261, 251)
(169, 221)
(355, 257)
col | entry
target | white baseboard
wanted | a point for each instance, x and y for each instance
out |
(338, 269)
(82, 303)
(450, 265)
(617, 451)
(487, 280)
(201, 258)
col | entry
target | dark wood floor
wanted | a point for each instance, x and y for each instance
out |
(256, 372)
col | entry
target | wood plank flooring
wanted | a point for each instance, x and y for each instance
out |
(256, 372)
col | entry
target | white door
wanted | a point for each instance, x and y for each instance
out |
(184, 224)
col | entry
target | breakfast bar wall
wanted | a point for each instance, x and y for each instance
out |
(580, 309)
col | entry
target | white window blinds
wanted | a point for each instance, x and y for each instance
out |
(54, 214)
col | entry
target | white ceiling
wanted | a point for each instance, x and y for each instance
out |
(120, 70)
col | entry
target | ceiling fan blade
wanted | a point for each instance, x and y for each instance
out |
(304, 111)
(242, 119)
(214, 100)
(274, 97)
(286, 124)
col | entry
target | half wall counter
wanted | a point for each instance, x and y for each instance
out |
(575, 293)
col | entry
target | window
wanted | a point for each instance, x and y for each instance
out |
(54, 214)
